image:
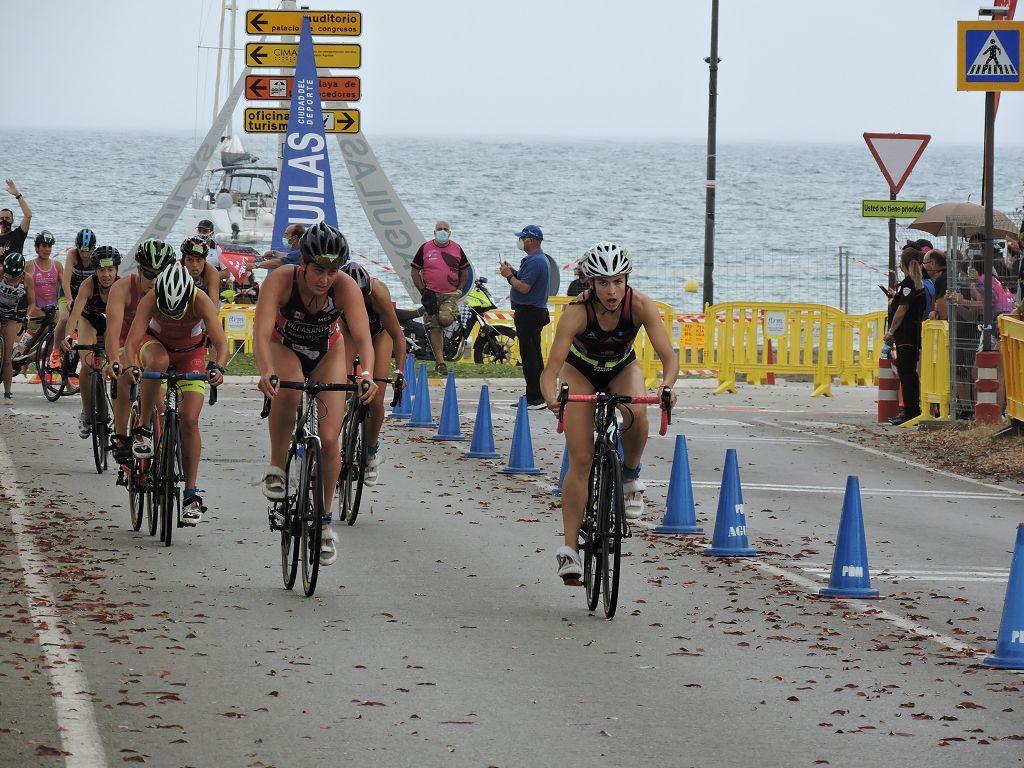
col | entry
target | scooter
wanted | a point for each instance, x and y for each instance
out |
(493, 341)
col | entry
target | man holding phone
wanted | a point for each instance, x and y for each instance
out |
(440, 270)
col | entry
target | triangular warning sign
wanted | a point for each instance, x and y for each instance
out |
(896, 154)
(992, 59)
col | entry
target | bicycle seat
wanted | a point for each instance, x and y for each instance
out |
(408, 314)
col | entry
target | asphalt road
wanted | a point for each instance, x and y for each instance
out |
(442, 636)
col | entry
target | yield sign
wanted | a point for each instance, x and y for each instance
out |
(896, 154)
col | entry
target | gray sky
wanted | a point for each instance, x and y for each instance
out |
(594, 69)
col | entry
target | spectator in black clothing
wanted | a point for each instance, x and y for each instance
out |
(935, 267)
(577, 286)
(904, 332)
(12, 239)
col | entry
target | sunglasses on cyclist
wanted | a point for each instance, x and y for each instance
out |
(332, 261)
(149, 274)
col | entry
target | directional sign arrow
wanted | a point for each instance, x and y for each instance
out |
(256, 90)
(257, 54)
(258, 22)
(347, 122)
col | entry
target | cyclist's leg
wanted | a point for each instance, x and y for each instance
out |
(9, 328)
(62, 319)
(86, 336)
(193, 393)
(331, 370)
(630, 381)
(153, 357)
(122, 405)
(281, 421)
(382, 348)
(579, 437)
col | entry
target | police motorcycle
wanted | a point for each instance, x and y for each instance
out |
(493, 341)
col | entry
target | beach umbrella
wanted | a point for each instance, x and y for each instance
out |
(969, 216)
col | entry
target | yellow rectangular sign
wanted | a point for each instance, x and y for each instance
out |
(273, 120)
(336, 55)
(348, 23)
(892, 209)
(988, 55)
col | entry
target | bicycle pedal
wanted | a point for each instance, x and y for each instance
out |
(572, 581)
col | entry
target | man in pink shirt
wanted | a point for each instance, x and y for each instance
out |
(440, 270)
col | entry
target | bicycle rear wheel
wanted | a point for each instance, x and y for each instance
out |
(136, 494)
(354, 459)
(610, 517)
(311, 512)
(98, 412)
(170, 470)
(48, 374)
(290, 530)
(590, 541)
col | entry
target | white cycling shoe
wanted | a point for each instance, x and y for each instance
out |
(570, 568)
(633, 493)
(372, 472)
(328, 547)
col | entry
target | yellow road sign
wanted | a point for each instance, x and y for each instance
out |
(348, 23)
(267, 120)
(337, 55)
(892, 209)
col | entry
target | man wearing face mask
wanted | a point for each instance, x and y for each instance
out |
(440, 270)
(12, 239)
(291, 257)
(529, 297)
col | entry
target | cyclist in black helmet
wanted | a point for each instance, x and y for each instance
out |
(77, 269)
(297, 338)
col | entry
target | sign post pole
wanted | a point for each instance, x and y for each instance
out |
(990, 128)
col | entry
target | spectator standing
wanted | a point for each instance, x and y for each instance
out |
(577, 286)
(12, 239)
(529, 297)
(935, 266)
(906, 308)
(440, 270)
(290, 257)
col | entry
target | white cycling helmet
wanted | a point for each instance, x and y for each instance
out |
(175, 290)
(606, 260)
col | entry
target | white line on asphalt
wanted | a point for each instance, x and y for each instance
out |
(837, 490)
(745, 439)
(891, 576)
(978, 571)
(72, 701)
(893, 457)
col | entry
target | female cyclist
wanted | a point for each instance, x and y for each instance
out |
(388, 337)
(593, 352)
(77, 269)
(297, 338)
(170, 328)
(88, 315)
(15, 295)
(194, 251)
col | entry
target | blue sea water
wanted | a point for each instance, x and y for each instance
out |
(782, 209)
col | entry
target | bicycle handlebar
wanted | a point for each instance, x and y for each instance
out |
(313, 387)
(601, 398)
(174, 378)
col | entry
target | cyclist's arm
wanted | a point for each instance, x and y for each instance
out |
(115, 317)
(572, 322)
(30, 293)
(348, 296)
(212, 279)
(272, 296)
(65, 277)
(84, 294)
(380, 298)
(211, 318)
(655, 327)
(147, 304)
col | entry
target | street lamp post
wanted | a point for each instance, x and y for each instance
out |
(709, 216)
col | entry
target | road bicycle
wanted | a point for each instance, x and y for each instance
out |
(604, 521)
(99, 405)
(300, 516)
(56, 380)
(165, 467)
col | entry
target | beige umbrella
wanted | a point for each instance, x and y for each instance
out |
(970, 218)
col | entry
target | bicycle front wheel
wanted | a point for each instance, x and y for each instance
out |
(311, 513)
(290, 529)
(354, 473)
(98, 410)
(590, 541)
(611, 522)
(136, 494)
(49, 376)
(170, 469)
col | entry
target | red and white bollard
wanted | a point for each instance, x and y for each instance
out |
(987, 409)
(888, 391)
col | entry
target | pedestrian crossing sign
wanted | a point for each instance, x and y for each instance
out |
(989, 55)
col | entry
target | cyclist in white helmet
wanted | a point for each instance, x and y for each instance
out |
(593, 352)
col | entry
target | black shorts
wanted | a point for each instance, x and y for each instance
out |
(309, 353)
(600, 378)
(97, 321)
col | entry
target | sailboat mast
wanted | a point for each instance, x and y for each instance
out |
(220, 58)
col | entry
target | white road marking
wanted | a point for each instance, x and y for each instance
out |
(885, 575)
(72, 701)
(743, 439)
(839, 490)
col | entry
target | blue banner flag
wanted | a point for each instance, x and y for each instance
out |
(306, 193)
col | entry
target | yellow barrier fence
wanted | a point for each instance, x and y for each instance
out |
(239, 323)
(934, 371)
(861, 348)
(1011, 344)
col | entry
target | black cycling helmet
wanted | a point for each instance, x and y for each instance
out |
(196, 246)
(358, 273)
(154, 255)
(14, 265)
(85, 240)
(105, 256)
(45, 238)
(324, 245)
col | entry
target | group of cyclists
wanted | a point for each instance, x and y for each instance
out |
(320, 320)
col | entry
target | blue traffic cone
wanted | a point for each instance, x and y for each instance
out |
(850, 574)
(482, 444)
(449, 427)
(404, 409)
(730, 538)
(421, 416)
(680, 515)
(557, 490)
(1010, 642)
(520, 459)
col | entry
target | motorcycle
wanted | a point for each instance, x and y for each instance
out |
(493, 341)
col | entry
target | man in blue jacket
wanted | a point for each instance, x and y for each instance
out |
(529, 297)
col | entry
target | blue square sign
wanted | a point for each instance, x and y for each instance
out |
(992, 56)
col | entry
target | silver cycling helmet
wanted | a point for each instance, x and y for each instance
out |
(175, 290)
(606, 260)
